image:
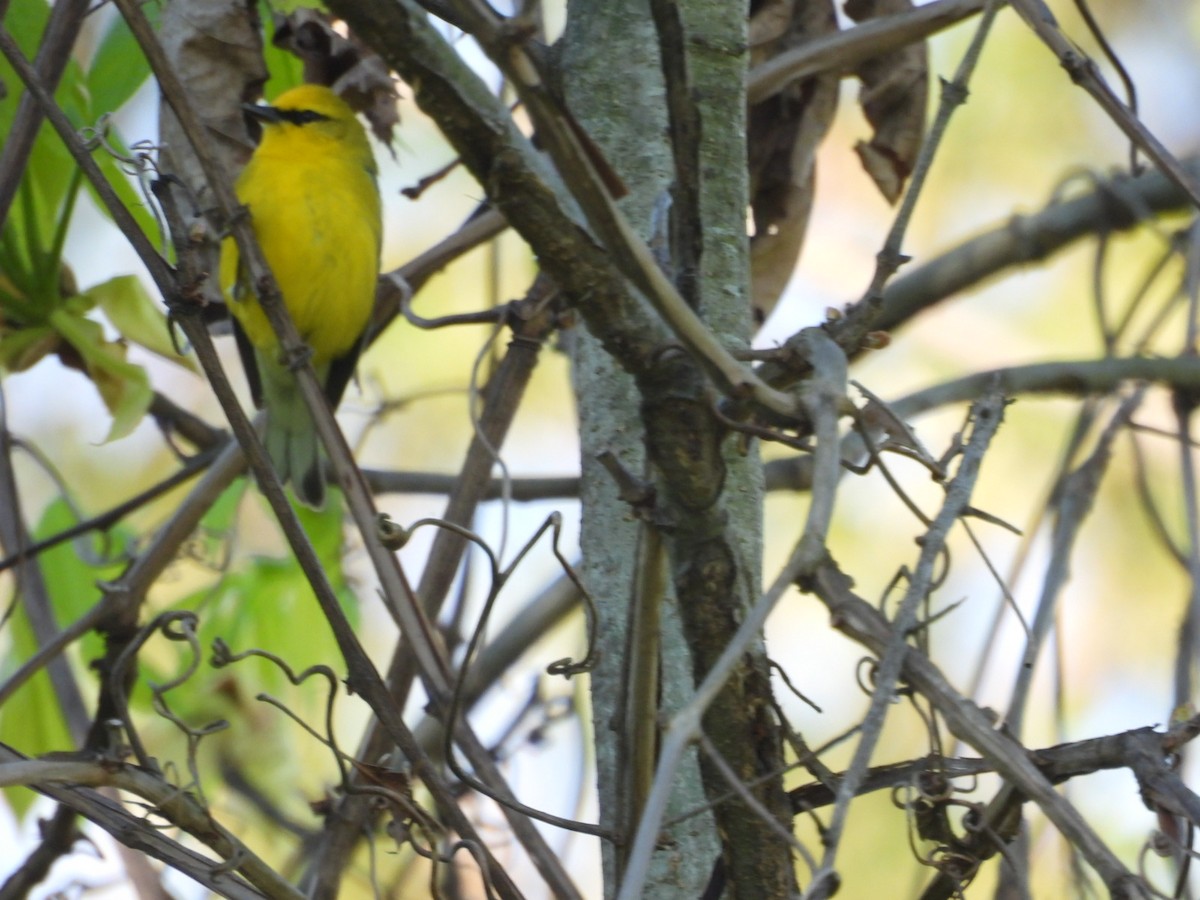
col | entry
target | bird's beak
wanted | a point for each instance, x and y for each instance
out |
(260, 112)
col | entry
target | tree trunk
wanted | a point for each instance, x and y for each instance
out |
(622, 108)
(708, 497)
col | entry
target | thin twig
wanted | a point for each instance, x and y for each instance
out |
(1074, 496)
(502, 398)
(57, 837)
(32, 590)
(859, 619)
(1084, 72)
(589, 189)
(112, 516)
(1067, 378)
(954, 94)
(176, 806)
(742, 791)
(54, 52)
(843, 51)
(1116, 204)
(986, 417)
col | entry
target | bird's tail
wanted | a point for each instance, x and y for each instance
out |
(291, 438)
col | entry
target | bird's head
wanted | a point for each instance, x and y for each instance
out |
(312, 110)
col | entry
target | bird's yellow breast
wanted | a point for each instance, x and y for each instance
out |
(315, 208)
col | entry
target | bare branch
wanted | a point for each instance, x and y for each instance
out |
(844, 50)
(53, 54)
(1084, 72)
(859, 619)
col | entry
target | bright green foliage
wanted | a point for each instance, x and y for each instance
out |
(260, 603)
(41, 310)
(283, 7)
(32, 720)
(286, 70)
(33, 723)
(117, 69)
(124, 387)
(134, 313)
(265, 602)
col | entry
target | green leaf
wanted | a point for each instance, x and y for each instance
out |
(123, 386)
(26, 29)
(134, 314)
(74, 98)
(25, 347)
(290, 6)
(267, 603)
(16, 275)
(32, 233)
(72, 570)
(118, 69)
(324, 528)
(213, 536)
(286, 70)
(47, 176)
(29, 232)
(32, 719)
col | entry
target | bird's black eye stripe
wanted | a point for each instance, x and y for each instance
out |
(301, 116)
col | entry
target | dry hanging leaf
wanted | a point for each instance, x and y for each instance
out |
(783, 133)
(769, 19)
(895, 89)
(350, 68)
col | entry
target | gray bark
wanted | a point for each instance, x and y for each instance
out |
(613, 84)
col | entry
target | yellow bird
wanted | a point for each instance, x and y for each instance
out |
(310, 189)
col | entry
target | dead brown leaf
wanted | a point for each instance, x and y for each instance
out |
(895, 90)
(783, 134)
(354, 71)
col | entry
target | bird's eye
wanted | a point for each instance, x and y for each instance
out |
(301, 116)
